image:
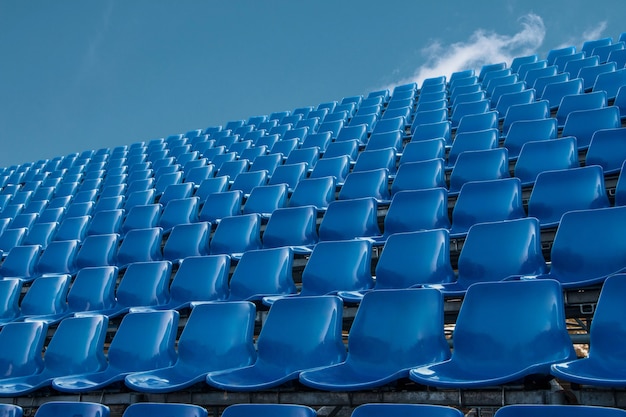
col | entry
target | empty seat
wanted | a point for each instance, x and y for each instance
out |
(407, 410)
(337, 167)
(143, 341)
(220, 205)
(291, 226)
(246, 181)
(503, 307)
(97, 250)
(423, 150)
(73, 228)
(164, 410)
(557, 192)
(179, 211)
(187, 240)
(106, 222)
(557, 410)
(584, 123)
(301, 347)
(211, 185)
(20, 262)
(545, 155)
(555, 91)
(277, 410)
(207, 344)
(371, 183)
(432, 131)
(524, 131)
(532, 111)
(419, 175)
(610, 82)
(349, 148)
(350, 219)
(407, 328)
(318, 192)
(237, 234)
(472, 141)
(140, 245)
(93, 289)
(375, 159)
(591, 73)
(588, 101)
(482, 165)
(265, 199)
(607, 149)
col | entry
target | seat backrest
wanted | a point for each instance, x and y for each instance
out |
(265, 199)
(21, 344)
(407, 410)
(524, 131)
(267, 410)
(584, 123)
(187, 240)
(557, 410)
(200, 278)
(176, 191)
(246, 181)
(337, 167)
(291, 226)
(319, 343)
(142, 217)
(237, 234)
(145, 284)
(97, 250)
(289, 174)
(419, 175)
(398, 267)
(93, 289)
(423, 150)
(545, 155)
(481, 165)
(10, 293)
(73, 228)
(338, 266)
(318, 192)
(261, 273)
(179, 211)
(12, 237)
(472, 141)
(349, 219)
(371, 183)
(221, 204)
(502, 98)
(140, 245)
(434, 130)
(557, 192)
(555, 92)
(574, 102)
(46, 296)
(577, 238)
(590, 74)
(607, 149)
(505, 203)
(531, 111)
(494, 251)
(59, 257)
(610, 82)
(72, 408)
(106, 222)
(414, 210)
(553, 54)
(375, 159)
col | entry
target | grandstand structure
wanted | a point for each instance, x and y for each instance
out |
(453, 247)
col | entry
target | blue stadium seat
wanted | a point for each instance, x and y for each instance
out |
(557, 410)
(574, 66)
(601, 366)
(503, 100)
(465, 109)
(289, 174)
(476, 122)
(350, 219)
(503, 307)
(320, 140)
(76, 347)
(478, 95)
(545, 155)
(487, 68)
(353, 132)
(10, 293)
(392, 139)
(419, 175)
(187, 240)
(211, 185)
(524, 131)
(246, 181)
(607, 149)
(24, 220)
(142, 217)
(578, 238)
(139, 198)
(294, 227)
(140, 245)
(619, 57)
(269, 410)
(179, 211)
(105, 222)
(495, 251)
(301, 347)
(372, 183)
(587, 101)
(375, 159)
(217, 336)
(261, 273)
(233, 168)
(221, 204)
(537, 110)
(20, 262)
(337, 167)
(407, 410)
(93, 289)
(534, 74)
(482, 165)
(591, 74)
(474, 140)
(423, 150)
(46, 298)
(398, 266)
(428, 117)
(143, 341)
(265, 199)
(407, 328)
(267, 163)
(610, 82)
(560, 191)
(108, 203)
(349, 148)
(331, 126)
(73, 408)
(564, 58)
(79, 209)
(164, 410)
(97, 250)
(11, 238)
(309, 155)
(319, 192)
(584, 123)
(72, 228)
(173, 192)
(542, 82)
(20, 348)
(505, 203)
(236, 234)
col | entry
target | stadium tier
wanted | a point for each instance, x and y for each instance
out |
(451, 248)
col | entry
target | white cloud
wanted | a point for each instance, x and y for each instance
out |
(594, 33)
(483, 47)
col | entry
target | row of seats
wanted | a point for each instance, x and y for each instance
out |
(87, 409)
(527, 339)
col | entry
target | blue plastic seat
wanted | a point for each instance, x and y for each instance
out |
(77, 346)
(20, 348)
(164, 410)
(140, 245)
(398, 266)
(217, 336)
(619, 57)
(24, 220)
(375, 159)
(97, 250)
(577, 59)
(246, 181)
(524, 131)
(423, 150)
(11, 410)
(557, 410)
(407, 328)
(431, 131)
(267, 410)
(289, 174)
(419, 175)
(143, 341)
(93, 289)
(235, 235)
(542, 82)
(350, 219)
(285, 348)
(337, 167)
(261, 273)
(414, 210)
(602, 364)
(407, 410)
(320, 140)
(265, 199)
(467, 97)
(139, 198)
(211, 185)
(367, 120)
(108, 203)
(482, 165)
(534, 74)
(187, 240)
(428, 117)
(553, 54)
(502, 99)
(591, 73)
(360, 184)
(318, 192)
(610, 82)
(584, 123)
(351, 132)
(579, 237)
(45, 299)
(11, 238)
(266, 163)
(292, 226)
(472, 141)
(503, 308)
(392, 139)
(179, 211)
(468, 108)
(72, 228)
(557, 192)
(20, 262)
(175, 192)
(505, 203)
(106, 222)
(545, 155)
(504, 79)
(532, 111)
(554, 93)
(309, 155)
(607, 149)
(476, 122)
(349, 148)
(73, 408)
(587, 101)
(10, 293)
(495, 251)
(220, 205)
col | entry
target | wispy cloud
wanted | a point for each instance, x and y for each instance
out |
(483, 47)
(595, 32)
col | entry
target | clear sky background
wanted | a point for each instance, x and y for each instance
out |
(87, 74)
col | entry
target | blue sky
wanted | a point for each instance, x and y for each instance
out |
(87, 74)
